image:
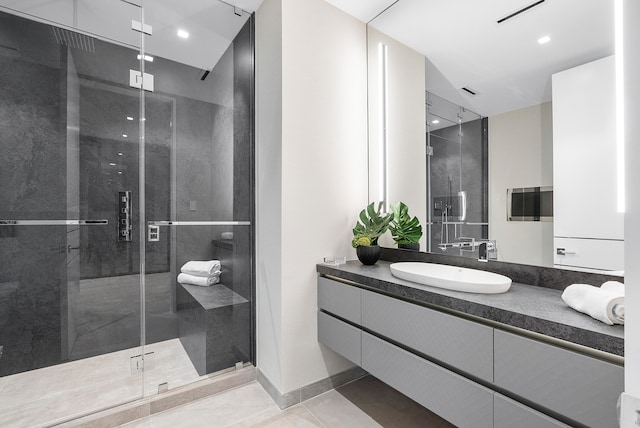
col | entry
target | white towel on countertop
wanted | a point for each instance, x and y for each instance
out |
(201, 268)
(605, 303)
(202, 281)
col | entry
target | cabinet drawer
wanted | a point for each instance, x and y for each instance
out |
(508, 414)
(598, 254)
(459, 343)
(341, 337)
(456, 399)
(577, 386)
(339, 299)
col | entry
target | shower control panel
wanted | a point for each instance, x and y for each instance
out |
(124, 216)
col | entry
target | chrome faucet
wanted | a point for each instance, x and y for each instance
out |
(487, 250)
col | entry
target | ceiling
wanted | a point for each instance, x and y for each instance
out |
(212, 24)
(503, 63)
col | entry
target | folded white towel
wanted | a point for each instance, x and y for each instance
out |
(604, 303)
(201, 268)
(202, 281)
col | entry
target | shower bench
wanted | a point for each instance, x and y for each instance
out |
(211, 321)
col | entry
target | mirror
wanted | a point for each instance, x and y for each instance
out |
(501, 71)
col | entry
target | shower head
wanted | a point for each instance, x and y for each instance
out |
(73, 39)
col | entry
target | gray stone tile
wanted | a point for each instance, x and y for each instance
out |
(388, 407)
(294, 417)
(334, 410)
(217, 411)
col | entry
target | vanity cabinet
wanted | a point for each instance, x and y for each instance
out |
(577, 386)
(339, 299)
(508, 413)
(472, 374)
(462, 402)
(341, 337)
(456, 342)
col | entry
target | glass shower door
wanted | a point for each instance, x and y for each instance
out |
(198, 164)
(457, 182)
(69, 278)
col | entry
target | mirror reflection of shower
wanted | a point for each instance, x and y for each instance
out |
(457, 178)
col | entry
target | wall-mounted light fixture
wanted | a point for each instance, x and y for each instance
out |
(383, 131)
(619, 106)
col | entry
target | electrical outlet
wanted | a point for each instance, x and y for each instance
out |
(1, 350)
(630, 411)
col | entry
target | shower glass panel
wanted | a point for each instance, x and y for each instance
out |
(198, 164)
(457, 184)
(127, 154)
(69, 289)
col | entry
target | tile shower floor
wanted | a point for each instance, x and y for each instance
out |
(364, 403)
(53, 394)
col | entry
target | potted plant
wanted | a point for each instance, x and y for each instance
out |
(405, 231)
(371, 224)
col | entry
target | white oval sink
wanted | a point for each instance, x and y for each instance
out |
(452, 277)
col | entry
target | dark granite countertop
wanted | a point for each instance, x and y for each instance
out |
(536, 309)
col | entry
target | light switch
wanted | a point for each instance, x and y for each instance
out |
(192, 206)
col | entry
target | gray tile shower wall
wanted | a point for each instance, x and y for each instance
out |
(204, 163)
(557, 279)
(218, 174)
(32, 172)
(244, 188)
(454, 166)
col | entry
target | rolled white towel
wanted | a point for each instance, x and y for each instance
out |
(604, 303)
(613, 286)
(202, 281)
(201, 268)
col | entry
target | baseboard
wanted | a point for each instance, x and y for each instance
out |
(311, 390)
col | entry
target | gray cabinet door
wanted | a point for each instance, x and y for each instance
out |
(509, 414)
(339, 336)
(577, 386)
(339, 299)
(454, 398)
(457, 342)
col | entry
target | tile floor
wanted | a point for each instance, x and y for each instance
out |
(366, 402)
(53, 394)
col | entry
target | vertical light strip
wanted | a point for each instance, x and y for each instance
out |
(383, 131)
(620, 137)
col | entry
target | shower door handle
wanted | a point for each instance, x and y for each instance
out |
(153, 227)
(198, 223)
(53, 222)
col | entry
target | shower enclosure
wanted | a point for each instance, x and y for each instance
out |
(126, 130)
(457, 178)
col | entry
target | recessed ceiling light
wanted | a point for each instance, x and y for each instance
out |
(112, 164)
(543, 40)
(120, 154)
(120, 172)
(129, 118)
(147, 58)
(435, 121)
(183, 34)
(124, 135)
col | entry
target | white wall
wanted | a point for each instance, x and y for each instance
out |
(632, 217)
(269, 188)
(520, 155)
(406, 128)
(312, 174)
